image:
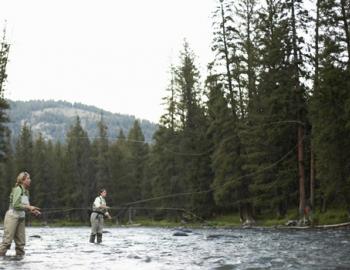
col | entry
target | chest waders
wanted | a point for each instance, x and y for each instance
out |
(97, 220)
(14, 226)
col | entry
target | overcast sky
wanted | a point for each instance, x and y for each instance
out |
(112, 54)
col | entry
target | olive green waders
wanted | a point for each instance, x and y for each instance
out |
(14, 229)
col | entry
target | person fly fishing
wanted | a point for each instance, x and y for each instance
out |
(99, 211)
(14, 222)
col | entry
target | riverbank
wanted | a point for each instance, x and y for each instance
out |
(330, 217)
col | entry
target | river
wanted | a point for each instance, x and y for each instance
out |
(158, 248)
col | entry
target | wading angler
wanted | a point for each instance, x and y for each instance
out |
(99, 211)
(14, 222)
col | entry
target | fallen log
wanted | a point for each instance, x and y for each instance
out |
(330, 226)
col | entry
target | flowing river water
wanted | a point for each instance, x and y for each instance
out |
(159, 248)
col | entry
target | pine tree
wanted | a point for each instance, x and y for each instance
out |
(225, 156)
(4, 52)
(43, 186)
(59, 176)
(138, 150)
(78, 169)
(164, 164)
(101, 159)
(330, 103)
(53, 174)
(195, 173)
(225, 46)
(7, 174)
(298, 21)
(117, 166)
(24, 150)
(269, 133)
(164, 158)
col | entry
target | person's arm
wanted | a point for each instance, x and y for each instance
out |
(100, 204)
(107, 213)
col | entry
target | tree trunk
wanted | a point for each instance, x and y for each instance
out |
(300, 138)
(301, 171)
(346, 29)
(312, 179)
(246, 214)
(241, 102)
(316, 83)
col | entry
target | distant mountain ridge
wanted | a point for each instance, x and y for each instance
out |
(53, 119)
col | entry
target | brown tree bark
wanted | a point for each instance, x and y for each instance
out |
(316, 82)
(300, 136)
(346, 28)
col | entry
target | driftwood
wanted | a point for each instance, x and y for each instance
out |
(340, 225)
(331, 226)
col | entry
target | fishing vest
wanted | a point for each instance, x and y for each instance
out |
(97, 209)
(24, 200)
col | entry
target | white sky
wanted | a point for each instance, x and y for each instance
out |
(112, 54)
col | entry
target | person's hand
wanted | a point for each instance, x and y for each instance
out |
(36, 212)
(32, 208)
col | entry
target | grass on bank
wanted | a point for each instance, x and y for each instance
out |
(332, 216)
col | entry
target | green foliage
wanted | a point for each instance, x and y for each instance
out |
(138, 151)
(330, 107)
(180, 157)
(78, 169)
(24, 150)
(101, 143)
(332, 216)
(4, 51)
(118, 155)
(225, 156)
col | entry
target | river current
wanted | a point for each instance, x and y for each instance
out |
(159, 248)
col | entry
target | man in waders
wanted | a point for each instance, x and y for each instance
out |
(14, 223)
(99, 211)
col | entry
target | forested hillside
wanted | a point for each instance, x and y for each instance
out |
(53, 119)
(266, 134)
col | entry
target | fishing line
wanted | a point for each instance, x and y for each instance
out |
(48, 211)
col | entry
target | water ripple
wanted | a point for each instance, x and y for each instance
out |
(156, 248)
